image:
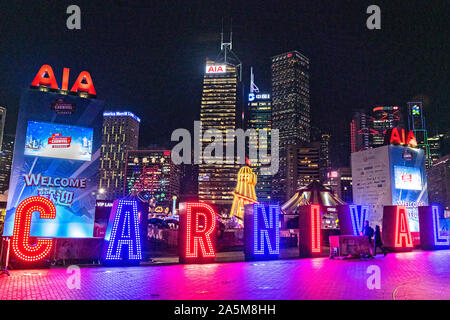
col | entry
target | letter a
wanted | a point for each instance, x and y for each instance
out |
(402, 229)
(374, 21)
(48, 81)
(123, 230)
(73, 21)
(84, 83)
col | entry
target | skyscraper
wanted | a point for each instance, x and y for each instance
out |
(435, 143)
(383, 118)
(359, 131)
(302, 166)
(260, 118)
(367, 129)
(6, 155)
(216, 181)
(2, 125)
(416, 123)
(290, 110)
(120, 133)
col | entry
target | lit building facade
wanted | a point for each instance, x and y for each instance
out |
(150, 174)
(290, 111)
(438, 176)
(324, 161)
(368, 129)
(260, 118)
(302, 166)
(218, 111)
(340, 182)
(6, 156)
(383, 118)
(416, 123)
(2, 125)
(120, 133)
(435, 143)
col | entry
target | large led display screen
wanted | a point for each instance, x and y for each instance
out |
(407, 178)
(409, 187)
(56, 156)
(56, 140)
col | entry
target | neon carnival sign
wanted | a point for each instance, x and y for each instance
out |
(351, 218)
(22, 225)
(46, 77)
(262, 231)
(197, 232)
(396, 231)
(430, 236)
(310, 231)
(123, 230)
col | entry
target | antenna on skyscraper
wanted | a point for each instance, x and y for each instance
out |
(253, 87)
(231, 34)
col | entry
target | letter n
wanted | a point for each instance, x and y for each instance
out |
(262, 231)
(123, 231)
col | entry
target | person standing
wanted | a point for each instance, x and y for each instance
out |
(378, 242)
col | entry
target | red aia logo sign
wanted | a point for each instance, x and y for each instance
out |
(46, 77)
(399, 137)
(216, 69)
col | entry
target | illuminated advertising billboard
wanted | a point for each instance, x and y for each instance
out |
(56, 156)
(222, 68)
(390, 176)
(56, 140)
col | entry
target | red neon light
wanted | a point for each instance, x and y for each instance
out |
(395, 137)
(399, 138)
(315, 228)
(199, 235)
(83, 83)
(402, 229)
(39, 79)
(88, 86)
(22, 223)
(65, 79)
(411, 139)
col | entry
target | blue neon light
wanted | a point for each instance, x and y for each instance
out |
(263, 232)
(438, 239)
(358, 218)
(125, 231)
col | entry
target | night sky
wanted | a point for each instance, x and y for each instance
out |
(148, 56)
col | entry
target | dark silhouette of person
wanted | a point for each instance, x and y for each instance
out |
(378, 242)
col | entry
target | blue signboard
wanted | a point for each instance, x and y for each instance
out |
(56, 156)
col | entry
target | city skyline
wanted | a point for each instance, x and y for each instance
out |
(353, 76)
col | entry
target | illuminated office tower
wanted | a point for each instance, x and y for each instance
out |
(302, 166)
(416, 123)
(259, 118)
(150, 174)
(6, 156)
(435, 143)
(2, 125)
(340, 182)
(218, 111)
(120, 133)
(290, 111)
(359, 131)
(383, 118)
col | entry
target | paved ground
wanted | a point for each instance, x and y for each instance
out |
(415, 275)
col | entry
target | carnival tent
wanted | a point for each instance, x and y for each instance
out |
(314, 193)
